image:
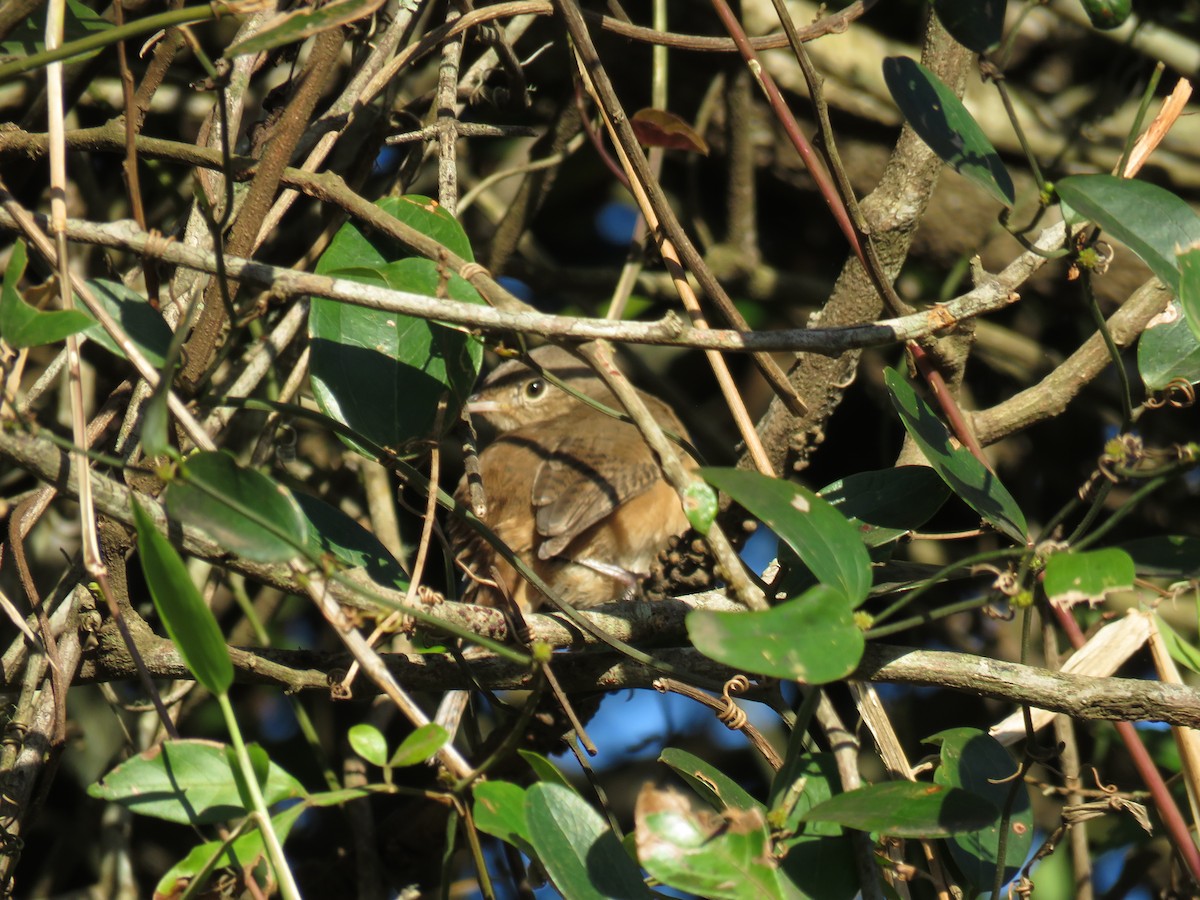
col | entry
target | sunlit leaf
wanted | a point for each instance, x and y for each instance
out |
(22, 325)
(907, 809)
(812, 638)
(1168, 350)
(1087, 576)
(660, 128)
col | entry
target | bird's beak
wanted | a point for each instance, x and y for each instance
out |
(476, 406)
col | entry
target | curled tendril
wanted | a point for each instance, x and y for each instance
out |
(1179, 393)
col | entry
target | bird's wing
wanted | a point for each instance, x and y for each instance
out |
(585, 475)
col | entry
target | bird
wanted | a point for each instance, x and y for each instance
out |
(576, 494)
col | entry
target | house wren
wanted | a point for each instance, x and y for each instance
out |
(576, 493)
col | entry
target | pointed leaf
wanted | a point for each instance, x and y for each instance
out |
(970, 479)
(715, 787)
(660, 128)
(906, 809)
(1088, 576)
(544, 769)
(22, 325)
(821, 536)
(187, 781)
(297, 25)
(576, 847)
(942, 122)
(812, 638)
(140, 321)
(419, 746)
(887, 503)
(242, 509)
(1189, 286)
(977, 762)
(1168, 350)
(1150, 221)
(331, 532)
(189, 623)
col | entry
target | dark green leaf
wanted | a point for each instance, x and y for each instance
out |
(352, 247)
(907, 809)
(80, 21)
(382, 374)
(368, 742)
(1088, 576)
(143, 324)
(22, 325)
(715, 787)
(500, 811)
(821, 536)
(243, 510)
(1168, 556)
(1150, 221)
(819, 860)
(942, 122)
(812, 638)
(298, 25)
(187, 781)
(331, 532)
(189, 623)
(978, 763)
(1189, 286)
(419, 746)
(1168, 350)
(976, 24)
(887, 503)
(970, 479)
(724, 857)
(577, 849)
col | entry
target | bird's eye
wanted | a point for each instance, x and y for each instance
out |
(535, 389)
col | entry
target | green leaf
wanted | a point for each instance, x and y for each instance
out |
(500, 811)
(298, 25)
(140, 321)
(812, 638)
(246, 852)
(888, 503)
(821, 536)
(1168, 349)
(906, 809)
(419, 746)
(819, 859)
(353, 248)
(368, 742)
(1108, 14)
(382, 374)
(1174, 556)
(80, 21)
(977, 762)
(576, 847)
(333, 533)
(544, 769)
(243, 510)
(1184, 653)
(1088, 576)
(187, 781)
(22, 325)
(189, 623)
(724, 857)
(700, 505)
(970, 479)
(1189, 286)
(976, 24)
(941, 121)
(1150, 221)
(716, 788)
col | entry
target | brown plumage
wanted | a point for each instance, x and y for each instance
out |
(574, 492)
